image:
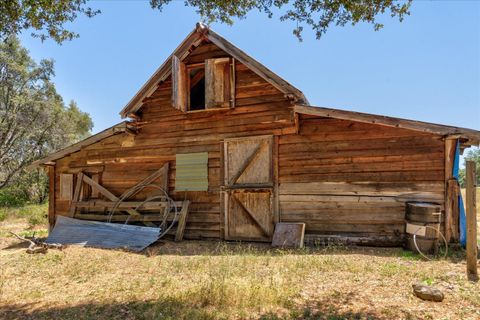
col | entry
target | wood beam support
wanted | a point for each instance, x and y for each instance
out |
(51, 197)
(472, 249)
(111, 197)
(451, 225)
(182, 221)
(76, 194)
(473, 136)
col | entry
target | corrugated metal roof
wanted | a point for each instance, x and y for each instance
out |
(102, 235)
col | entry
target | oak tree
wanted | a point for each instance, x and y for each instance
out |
(34, 120)
(319, 15)
(47, 19)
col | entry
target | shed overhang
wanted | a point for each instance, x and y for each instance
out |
(469, 136)
(122, 127)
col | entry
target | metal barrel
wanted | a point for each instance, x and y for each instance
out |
(423, 219)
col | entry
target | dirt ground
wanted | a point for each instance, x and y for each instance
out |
(220, 280)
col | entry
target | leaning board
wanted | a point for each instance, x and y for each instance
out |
(71, 231)
(288, 235)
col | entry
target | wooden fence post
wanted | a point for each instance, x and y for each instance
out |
(472, 272)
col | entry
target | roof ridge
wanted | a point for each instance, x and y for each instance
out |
(196, 36)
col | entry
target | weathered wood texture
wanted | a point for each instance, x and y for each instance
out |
(201, 44)
(288, 235)
(471, 201)
(260, 110)
(51, 196)
(352, 178)
(451, 192)
(340, 177)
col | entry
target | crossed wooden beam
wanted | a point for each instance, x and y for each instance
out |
(247, 163)
(129, 206)
(251, 215)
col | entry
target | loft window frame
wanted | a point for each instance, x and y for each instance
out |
(188, 69)
(191, 66)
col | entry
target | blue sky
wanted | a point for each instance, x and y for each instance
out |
(425, 68)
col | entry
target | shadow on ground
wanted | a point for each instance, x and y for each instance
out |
(217, 248)
(16, 245)
(224, 248)
(173, 309)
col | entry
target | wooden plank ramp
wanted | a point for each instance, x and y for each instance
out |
(96, 234)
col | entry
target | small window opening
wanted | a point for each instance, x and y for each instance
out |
(197, 89)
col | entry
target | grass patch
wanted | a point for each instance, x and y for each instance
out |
(212, 280)
(220, 280)
(34, 214)
(410, 255)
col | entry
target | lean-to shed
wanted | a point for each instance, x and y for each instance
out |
(247, 149)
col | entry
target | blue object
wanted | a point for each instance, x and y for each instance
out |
(461, 207)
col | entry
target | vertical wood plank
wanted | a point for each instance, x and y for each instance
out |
(209, 83)
(179, 84)
(76, 195)
(225, 163)
(66, 186)
(276, 203)
(472, 250)
(222, 191)
(217, 83)
(226, 204)
(182, 221)
(166, 170)
(232, 83)
(450, 148)
(296, 121)
(94, 192)
(51, 197)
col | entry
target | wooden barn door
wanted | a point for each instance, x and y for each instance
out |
(248, 188)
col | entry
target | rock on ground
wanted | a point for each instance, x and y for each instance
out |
(427, 292)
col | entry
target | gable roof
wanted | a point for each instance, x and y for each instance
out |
(194, 39)
(472, 137)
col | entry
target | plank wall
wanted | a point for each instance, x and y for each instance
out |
(351, 178)
(340, 177)
(260, 109)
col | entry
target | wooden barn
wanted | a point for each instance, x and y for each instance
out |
(217, 128)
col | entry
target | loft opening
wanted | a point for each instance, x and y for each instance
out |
(207, 85)
(196, 92)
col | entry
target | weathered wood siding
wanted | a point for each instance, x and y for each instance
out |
(344, 177)
(339, 177)
(260, 109)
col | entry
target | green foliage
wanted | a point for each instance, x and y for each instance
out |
(410, 255)
(42, 233)
(319, 15)
(472, 155)
(34, 121)
(428, 280)
(12, 197)
(47, 19)
(34, 214)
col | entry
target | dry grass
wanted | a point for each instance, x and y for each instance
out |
(216, 280)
